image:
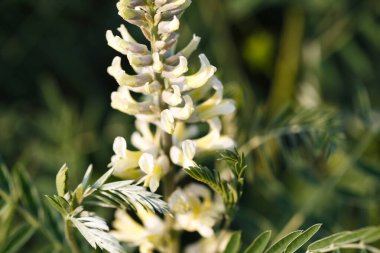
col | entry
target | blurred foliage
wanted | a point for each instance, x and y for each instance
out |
(305, 75)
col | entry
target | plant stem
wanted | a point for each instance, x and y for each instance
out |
(70, 237)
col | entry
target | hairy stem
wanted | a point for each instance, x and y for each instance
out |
(70, 237)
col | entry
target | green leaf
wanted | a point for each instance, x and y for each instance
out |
(18, 238)
(373, 236)
(5, 179)
(281, 245)
(233, 245)
(353, 236)
(259, 244)
(95, 230)
(325, 242)
(29, 195)
(302, 238)
(86, 176)
(61, 180)
(54, 203)
(102, 179)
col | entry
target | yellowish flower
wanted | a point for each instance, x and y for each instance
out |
(195, 209)
(154, 170)
(148, 236)
(124, 162)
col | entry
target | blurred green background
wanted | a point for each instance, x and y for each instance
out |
(305, 75)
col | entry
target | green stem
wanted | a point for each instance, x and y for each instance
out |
(70, 237)
(287, 64)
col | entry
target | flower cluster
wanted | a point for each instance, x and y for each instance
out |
(171, 105)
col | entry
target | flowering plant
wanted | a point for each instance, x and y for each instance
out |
(162, 192)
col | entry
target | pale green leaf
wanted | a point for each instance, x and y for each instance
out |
(281, 245)
(302, 238)
(61, 180)
(259, 244)
(233, 245)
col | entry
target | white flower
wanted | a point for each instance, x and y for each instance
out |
(154, 170)
(196, 210)
(148, 235)
(185, 156)
(144, 139)
(124, 162)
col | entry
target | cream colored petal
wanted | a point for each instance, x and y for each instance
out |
(189, 149)
(126, 229)
(172, 98)
(154, 183)
(170, 6)
(205, 231)
(125, 34)
(177, 71)
(227, 106)
(123, 79)
(176, 155)
(157, 64)
(124, 102)
(185, 52)
(178, 202)
(167, 121)
(200, 78)
(168, 26)
(146, 163)
(164, 163)
(123, 46)
(183, 113)
(120, 146)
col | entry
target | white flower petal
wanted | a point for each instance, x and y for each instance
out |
(168, 26)
(189, 149)
(177, 71)
(123, 79)
(123, 101)
(172, 98)
(205, 231)
(146, 163)
(154, 183)
(167, 121)
(120, 146)
(170, 6)
(157, 64)
(176, 155)
(183, 113)
(203, 75)
(227, 106)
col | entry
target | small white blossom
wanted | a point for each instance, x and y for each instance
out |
(184, 157)
(148, 236)
(196, 209)
(154, 170)
(124, 162)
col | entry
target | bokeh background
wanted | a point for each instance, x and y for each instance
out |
(305, 75)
